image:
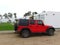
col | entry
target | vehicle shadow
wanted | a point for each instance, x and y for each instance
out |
(35, 35)
(38, 34)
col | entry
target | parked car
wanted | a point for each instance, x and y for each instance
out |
(26, 27)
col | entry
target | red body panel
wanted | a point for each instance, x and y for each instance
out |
(34, 28)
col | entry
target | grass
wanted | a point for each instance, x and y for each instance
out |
(6, 26)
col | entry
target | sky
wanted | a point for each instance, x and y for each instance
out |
(23, 6)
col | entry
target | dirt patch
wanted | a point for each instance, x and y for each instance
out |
(10, 38)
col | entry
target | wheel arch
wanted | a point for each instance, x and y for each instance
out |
(25, 29)
(50, 28)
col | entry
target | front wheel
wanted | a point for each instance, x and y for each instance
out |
(50, 32)
(25, 33)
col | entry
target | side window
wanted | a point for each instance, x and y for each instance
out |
(23, 22)
(40, 22)
(32, 22)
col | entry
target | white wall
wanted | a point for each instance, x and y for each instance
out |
(52, 18)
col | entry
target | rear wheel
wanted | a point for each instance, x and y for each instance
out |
(25, 33)
(50, 32)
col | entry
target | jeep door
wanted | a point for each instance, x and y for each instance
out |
(33, 26)
(40, 26)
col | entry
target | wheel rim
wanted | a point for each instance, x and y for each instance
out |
(51, 31)
(25, 33)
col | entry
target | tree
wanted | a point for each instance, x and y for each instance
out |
(28, 13)
(32, 17)
(15, 17)
(10, 15)
(1, 16)
(33, 13)
(6, 16)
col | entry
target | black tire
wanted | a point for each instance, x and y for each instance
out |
(50, 32)
(25, 33)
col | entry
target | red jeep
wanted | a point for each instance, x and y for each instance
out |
(25, 27)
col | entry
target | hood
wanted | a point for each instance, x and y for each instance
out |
(48, 26)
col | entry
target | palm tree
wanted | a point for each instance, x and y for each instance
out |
(6, 16)
(15, 17)
(32, 17)
(28, 13)
(1, 16)
(34, 13)
(10, 15)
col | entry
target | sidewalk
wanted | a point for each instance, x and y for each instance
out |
(7, 31)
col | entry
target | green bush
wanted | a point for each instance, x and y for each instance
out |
(6, 26)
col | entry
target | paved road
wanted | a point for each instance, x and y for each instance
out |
(10, 38)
